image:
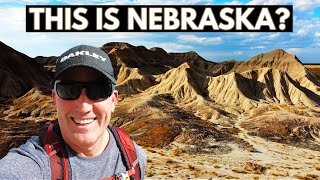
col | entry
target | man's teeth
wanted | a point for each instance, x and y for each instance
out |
(83, 121)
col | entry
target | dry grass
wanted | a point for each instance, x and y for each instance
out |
(163, 172)
(229, 177)
(15, 133)
(307, 177)
(279, 173)
(176, 166)
(151, 150)
(191, 167)
(169, 161)
(239, 170)
(250, 168)
(176, 152)
(150, 174)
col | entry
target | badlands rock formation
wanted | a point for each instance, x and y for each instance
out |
(19, 73)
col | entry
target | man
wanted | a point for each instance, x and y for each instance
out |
(84, 97)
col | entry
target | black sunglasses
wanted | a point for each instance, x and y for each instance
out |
(71, 90)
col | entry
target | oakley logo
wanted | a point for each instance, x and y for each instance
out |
(82, 53)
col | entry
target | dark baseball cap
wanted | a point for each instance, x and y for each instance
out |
(88, 56)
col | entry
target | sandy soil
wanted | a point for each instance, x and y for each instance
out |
(267, 160)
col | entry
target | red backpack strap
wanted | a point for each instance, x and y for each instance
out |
(128, 153)
(54, 146)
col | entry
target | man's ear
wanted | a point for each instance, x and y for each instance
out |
(114, 100)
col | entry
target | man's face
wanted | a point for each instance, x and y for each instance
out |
(83, 121)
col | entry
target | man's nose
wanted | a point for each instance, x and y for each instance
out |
(84, 102)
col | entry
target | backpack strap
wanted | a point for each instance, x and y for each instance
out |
(54, 147)
(128, 153)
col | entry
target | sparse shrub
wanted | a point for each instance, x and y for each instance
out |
(307, 177)
(163, 173)
(176, 166)
(278, 173)
(229, 177)
(237, 170)
(176, 152)
(289, 167)
(151, 150)
(213, 173)
(251, 168)
(191, 167)
(255, 168)
(317, 168)
(150, 174)
(313, 176)
(169, 160)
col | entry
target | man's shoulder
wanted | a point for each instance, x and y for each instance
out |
(32, 144)
(32, 149)
(140, 152)
(28, 160)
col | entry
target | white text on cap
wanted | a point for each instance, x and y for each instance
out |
(82, 53)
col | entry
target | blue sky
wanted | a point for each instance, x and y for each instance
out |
(304, 41)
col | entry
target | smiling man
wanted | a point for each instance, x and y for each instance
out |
(81, 144)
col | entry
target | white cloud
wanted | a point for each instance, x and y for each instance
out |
(317, 34)
(200, 40)
(13, 19)
(264, 38)
(298, 5)
(305, 27)
(268, 2)
(233, 3)
(305, 5)
(12, 33)
(294, 50)
(171, 47)
(258, 47)
(238, 52)
(274, 36)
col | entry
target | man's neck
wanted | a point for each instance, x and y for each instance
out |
(95, 149)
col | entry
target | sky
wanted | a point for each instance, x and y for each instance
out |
(304, 41)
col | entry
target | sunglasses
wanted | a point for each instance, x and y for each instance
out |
(71, 90)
